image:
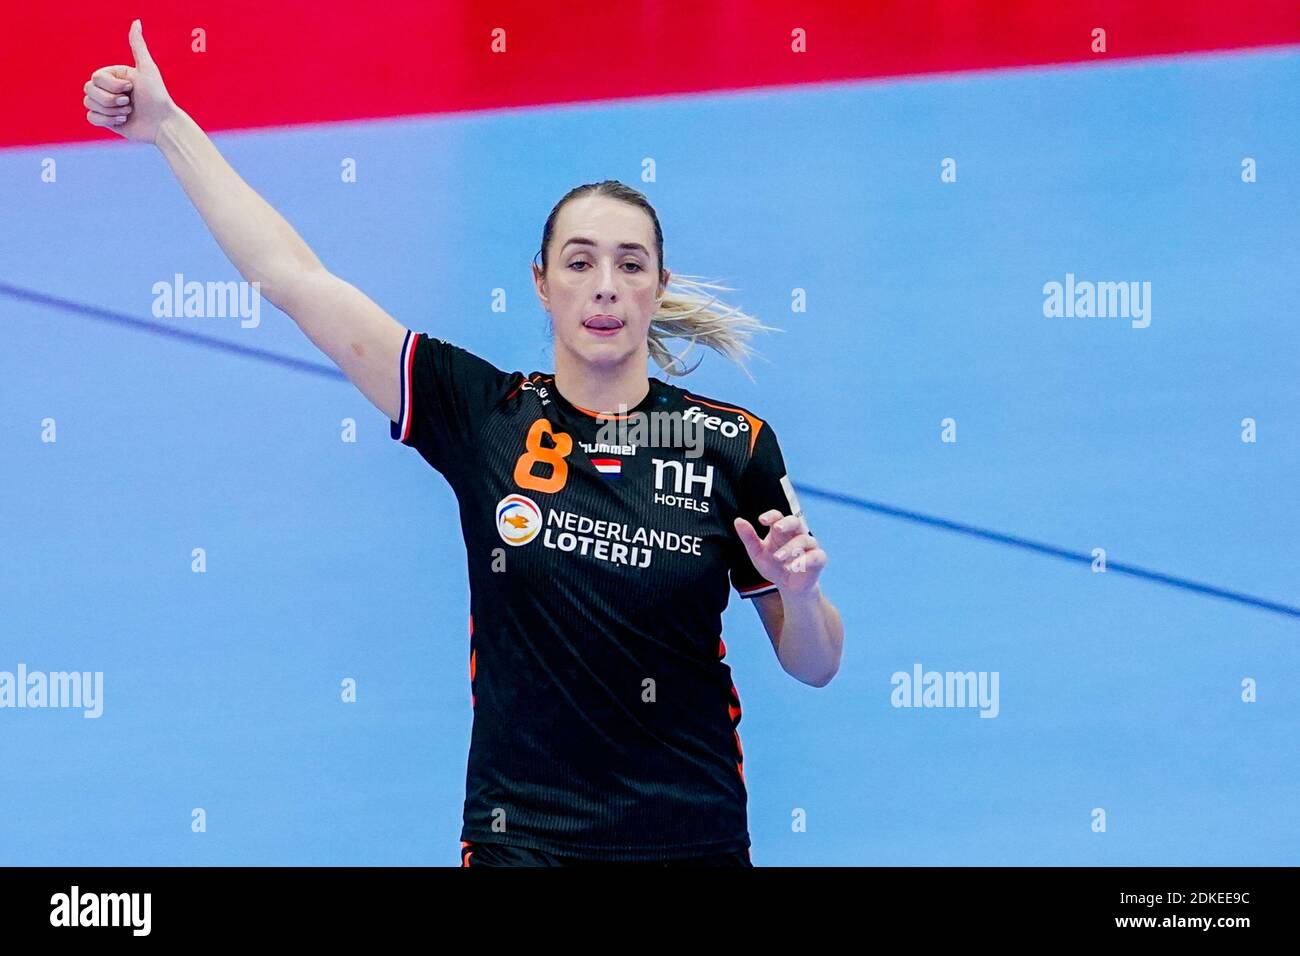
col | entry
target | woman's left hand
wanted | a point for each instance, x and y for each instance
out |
(789, 556)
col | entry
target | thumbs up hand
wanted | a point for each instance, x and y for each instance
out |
(130, 100)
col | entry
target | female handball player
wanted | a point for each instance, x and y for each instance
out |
(606, 515)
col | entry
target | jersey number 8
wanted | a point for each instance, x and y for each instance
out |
(536, 452)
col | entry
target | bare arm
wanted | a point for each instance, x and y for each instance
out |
(806, 632)
(360, 337)
(804, 627)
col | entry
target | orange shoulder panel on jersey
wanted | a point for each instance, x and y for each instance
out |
(755, 423)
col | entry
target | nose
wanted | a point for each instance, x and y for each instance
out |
(605, 286)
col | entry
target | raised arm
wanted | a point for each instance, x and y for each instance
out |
(360, 337)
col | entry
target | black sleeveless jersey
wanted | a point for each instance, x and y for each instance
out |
(605, 720)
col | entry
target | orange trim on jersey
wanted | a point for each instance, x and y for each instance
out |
(588, 411)
(754, 423)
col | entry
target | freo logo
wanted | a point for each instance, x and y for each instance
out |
(518, 519)
(714, 423)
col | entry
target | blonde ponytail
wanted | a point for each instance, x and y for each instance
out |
(688, 312)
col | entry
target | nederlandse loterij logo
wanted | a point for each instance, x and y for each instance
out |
(518, 519)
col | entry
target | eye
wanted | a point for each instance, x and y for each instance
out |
(584, 262)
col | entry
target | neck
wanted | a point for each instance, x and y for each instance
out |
(601, 388)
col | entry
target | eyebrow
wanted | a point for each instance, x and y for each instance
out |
(630, 246)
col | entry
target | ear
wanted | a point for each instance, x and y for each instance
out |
(539, 285)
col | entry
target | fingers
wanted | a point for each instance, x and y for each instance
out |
(789, 541)
(789, 524)
(783, 524)
(106, 101)
(99, 119)
(112, 79)
(813, 560)
(787, 534)
(748, 536)
(91, 104)
(96, 98)
(109, 112)
(782, 528)
(795, 546)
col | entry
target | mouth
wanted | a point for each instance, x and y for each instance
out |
(603, 325)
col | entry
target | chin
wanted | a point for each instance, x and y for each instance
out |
(604, 354)
(588, 344)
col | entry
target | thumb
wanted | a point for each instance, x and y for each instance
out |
(138, 48)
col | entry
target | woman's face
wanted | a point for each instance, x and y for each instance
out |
(602, 263)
